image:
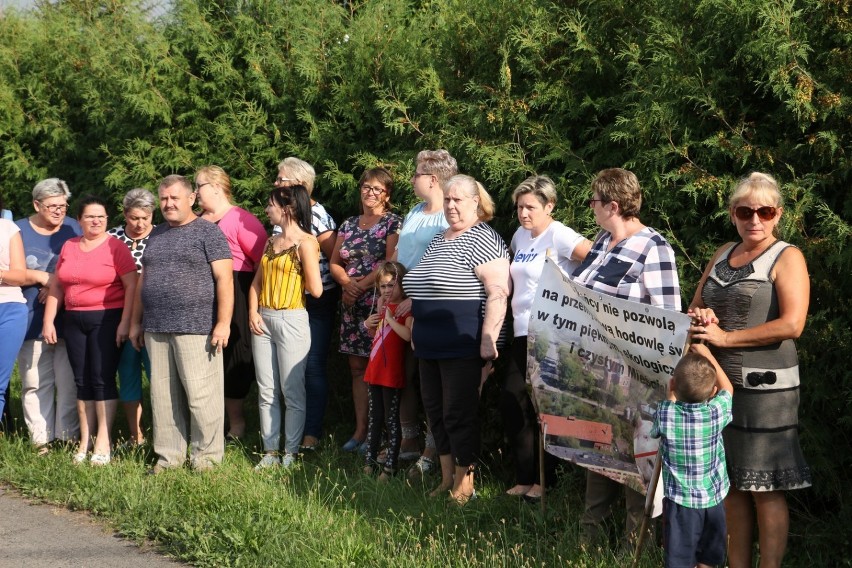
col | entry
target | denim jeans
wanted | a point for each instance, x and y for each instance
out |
(322, 312)
(280, 357)
(13, 327)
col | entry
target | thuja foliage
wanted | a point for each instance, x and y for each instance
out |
(689, 95)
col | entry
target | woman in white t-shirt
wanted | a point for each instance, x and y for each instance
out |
(538, 237)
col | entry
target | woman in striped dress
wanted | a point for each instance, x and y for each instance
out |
(279, 322)
(459, 292)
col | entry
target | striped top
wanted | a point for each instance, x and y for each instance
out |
(282, 286)
(448, 298)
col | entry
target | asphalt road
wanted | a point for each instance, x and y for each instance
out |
(35, 534)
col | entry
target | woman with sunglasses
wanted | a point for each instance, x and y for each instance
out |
(631, 261)
(363, 242)
(750, 306)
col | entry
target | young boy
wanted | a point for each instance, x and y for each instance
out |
(695, 478)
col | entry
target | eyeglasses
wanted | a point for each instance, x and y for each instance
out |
(591, 202)
(417, 174)
(765, 213)
(200, 185)
(94, 217)
(58, 208)
(374, 189)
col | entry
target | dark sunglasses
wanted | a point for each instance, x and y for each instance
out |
(765, 213)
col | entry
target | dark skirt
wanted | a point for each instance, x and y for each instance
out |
(238, 362)
(762, 442)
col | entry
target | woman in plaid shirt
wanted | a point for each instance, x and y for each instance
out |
(631, 261)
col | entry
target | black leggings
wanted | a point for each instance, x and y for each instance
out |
(520, 421)
(92, 352)
(384, 408)
(450, 389)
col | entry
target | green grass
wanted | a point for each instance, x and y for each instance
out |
(324, 512)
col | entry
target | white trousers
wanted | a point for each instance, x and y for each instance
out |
(48, 392)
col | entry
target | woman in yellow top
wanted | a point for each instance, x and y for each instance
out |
(279, 322)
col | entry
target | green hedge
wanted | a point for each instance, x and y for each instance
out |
(689, 95)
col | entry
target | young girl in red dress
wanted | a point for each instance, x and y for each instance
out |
(385, 375)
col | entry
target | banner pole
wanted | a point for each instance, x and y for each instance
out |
(541, 480)
(649, 506)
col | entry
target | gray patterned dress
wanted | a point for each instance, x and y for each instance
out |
(762, 441)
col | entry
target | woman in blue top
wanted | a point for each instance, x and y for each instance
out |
(425, 220)
(48, 391)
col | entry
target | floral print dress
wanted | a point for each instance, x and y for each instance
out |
(362, 250)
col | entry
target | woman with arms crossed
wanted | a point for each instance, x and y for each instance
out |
(750, 306)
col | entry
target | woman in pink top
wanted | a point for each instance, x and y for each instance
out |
(246, 238)
(95, 281)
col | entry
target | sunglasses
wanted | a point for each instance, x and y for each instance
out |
(765, 213)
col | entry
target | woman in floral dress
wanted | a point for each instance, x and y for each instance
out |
(363, 242)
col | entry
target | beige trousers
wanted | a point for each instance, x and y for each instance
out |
(48, 392)
(187, 399)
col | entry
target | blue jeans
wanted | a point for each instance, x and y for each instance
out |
(321, 314)
(13, 327)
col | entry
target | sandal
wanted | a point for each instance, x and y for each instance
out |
(386, 475)
(80, 457)
(100, 459)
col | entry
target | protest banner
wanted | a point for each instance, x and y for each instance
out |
(598, 366)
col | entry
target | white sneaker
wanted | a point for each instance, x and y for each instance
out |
(267, 461)
(289, 460)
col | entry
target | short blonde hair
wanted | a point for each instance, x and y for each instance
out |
(761, 186)
(218, 176)
(472, 188)
(542, 187)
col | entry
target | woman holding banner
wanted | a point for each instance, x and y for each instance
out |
(538, 237)
(630, 261)
(750, 306)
